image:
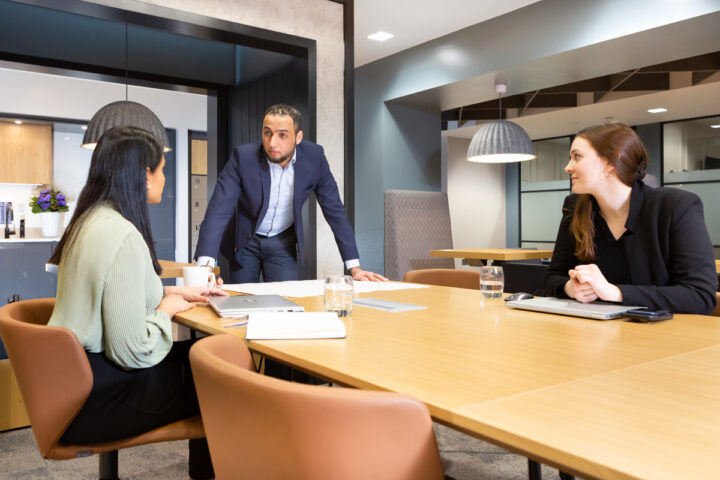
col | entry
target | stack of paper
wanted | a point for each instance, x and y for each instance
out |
(294, 325)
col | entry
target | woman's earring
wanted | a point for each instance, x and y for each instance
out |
(148, 185)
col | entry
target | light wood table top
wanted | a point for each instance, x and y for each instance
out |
(717, 266)
(503, 254)
(472, 362)
(172, 269)
(658, 420)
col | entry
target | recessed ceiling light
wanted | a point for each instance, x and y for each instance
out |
(19, 122)
(381, 36)
(657, 110)
(84, 127)
(714, 126)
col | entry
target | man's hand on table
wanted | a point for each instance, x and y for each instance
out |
(360, 274)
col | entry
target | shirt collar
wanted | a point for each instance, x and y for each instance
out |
(637, 196)
(292, 160)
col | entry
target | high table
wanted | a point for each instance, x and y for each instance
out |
(476, 256)
(609, 399)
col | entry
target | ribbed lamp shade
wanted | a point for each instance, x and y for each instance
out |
(124, 113)
(500, 141)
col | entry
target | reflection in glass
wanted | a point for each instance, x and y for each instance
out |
(691, 149)
(552, 156)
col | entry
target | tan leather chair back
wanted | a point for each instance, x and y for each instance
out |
(445, 277)
(51, 367)
(261, 427)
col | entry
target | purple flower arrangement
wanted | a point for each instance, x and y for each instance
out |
(48, 200)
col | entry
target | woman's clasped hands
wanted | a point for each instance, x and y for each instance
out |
(587, 284)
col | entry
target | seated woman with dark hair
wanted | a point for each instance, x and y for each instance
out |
(110, 295)
(623, 241)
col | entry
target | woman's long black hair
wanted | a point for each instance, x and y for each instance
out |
(118, 175)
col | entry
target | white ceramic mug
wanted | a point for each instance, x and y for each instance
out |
(198, 277)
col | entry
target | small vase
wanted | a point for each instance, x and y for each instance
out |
(50, 223)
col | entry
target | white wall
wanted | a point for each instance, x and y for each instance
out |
(476, 194)
(29, 93)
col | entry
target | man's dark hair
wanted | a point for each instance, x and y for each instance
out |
(281, 109)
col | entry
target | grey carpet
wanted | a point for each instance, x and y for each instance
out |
(464, 458)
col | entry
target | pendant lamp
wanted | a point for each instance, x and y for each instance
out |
(500, 141)
(124, 112)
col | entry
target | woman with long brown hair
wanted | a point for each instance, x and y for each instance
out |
(623, 241)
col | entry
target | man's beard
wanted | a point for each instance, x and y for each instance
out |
(281, 159)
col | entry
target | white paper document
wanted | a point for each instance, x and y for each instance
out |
(294, 325)
(312, 288)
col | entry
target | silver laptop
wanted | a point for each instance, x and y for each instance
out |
(241, 305)
(597, 311)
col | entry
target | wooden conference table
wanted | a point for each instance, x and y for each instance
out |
(171, 269)
(476, 256)
(597, 399)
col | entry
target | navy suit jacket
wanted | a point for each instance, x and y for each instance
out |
(243, 188)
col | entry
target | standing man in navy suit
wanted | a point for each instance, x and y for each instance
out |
(266, 186)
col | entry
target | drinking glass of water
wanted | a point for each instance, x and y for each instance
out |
(339, 292)
(492, 281)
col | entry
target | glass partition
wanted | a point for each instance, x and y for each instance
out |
(691, 161)
(543, 187)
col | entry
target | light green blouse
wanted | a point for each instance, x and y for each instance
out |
(108, 292)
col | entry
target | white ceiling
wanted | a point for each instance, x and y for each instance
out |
(417, 21)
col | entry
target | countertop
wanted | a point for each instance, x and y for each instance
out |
(15, 239)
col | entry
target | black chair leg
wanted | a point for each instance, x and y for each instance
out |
(109, 465)
(534, 472)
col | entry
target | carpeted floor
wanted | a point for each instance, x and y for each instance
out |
(464, 458)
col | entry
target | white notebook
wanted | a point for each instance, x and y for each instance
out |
(294, 325)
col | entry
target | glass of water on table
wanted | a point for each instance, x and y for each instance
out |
(339, 293)
(492, 281)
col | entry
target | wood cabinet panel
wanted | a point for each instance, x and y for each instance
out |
(12, 408)
(26, 153)
(198, 156)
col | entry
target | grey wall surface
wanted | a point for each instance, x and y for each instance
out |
(398, 99)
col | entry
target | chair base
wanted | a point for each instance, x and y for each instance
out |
(109, 465)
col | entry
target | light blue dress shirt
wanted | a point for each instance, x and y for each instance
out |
(279, 215)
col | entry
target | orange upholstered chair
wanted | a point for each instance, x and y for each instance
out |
(446, 277)
(55, 379)
(716, 312)
(262, 427)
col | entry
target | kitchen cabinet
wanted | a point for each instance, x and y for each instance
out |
(23, 270)
(198, 157)
(26, 153)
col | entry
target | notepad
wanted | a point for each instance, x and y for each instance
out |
(294, 325)
(387, 305)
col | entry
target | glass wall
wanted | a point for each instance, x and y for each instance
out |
(543, 187)
(691, 161)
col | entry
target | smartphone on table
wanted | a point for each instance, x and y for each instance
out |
(648, 316)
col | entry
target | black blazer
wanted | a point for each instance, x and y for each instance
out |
(243, 188)
(669, 253)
